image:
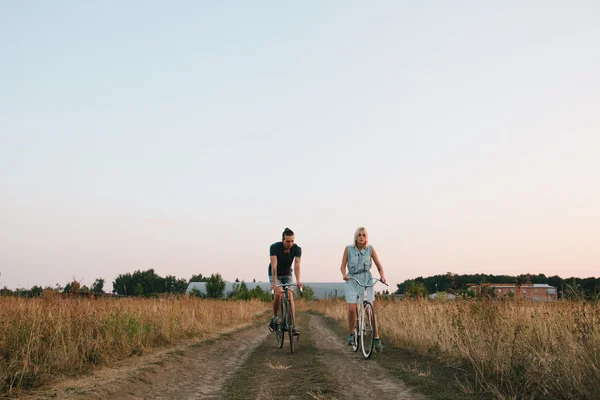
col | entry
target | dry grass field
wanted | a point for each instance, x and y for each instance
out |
(512, 349)
(51, 336)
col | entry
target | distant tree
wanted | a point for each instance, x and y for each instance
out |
(215, 287)
(240, 291)
(75, 286)
(451, 282)
(198, 278)
(573, 289)
(130, 284)
(308, 293)
(123, 284)
(36, 291)
(72, 287)
(174, 285)
(454, 283)
(416, 290)
(98, 286)
(591, 287)
(258, 293)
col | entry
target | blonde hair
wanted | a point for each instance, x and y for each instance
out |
(358, 230)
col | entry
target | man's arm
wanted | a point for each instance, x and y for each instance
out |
(274, 271)
(297, 270)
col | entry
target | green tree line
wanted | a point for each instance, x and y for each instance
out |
(147, 284)
(456, 283)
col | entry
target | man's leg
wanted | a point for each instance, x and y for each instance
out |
(276, 302)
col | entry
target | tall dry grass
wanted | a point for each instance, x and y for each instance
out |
(49, 336)
(514, 349)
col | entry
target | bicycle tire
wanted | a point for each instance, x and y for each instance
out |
(368, 330)
(279, 328)
(290, 319)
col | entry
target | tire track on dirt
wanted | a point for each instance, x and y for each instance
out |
(360, 378)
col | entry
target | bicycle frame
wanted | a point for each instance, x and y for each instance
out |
(286, 320)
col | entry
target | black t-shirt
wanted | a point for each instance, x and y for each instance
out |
(284, 260)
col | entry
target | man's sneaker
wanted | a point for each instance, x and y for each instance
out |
(272, 324)
(351, 339)
(378, 346)
(295, 331)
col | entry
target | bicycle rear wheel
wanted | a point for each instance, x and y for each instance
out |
(279, 328)
(290, 324)
(368, 330)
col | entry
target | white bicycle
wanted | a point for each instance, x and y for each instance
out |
(364, 330)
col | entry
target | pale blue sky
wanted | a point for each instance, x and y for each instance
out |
(186, 136)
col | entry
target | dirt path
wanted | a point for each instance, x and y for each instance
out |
(362, 379)
(244, 365)
(192, 372)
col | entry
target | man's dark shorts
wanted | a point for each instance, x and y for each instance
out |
(281, 279)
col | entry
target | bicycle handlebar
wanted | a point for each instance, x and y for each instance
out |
(374, 283)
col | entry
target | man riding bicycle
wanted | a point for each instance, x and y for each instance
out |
(282, 254)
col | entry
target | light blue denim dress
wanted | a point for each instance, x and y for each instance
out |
(359, 267)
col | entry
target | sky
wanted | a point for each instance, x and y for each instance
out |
(184, 137)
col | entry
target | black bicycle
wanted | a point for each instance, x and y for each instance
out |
(285, 322)
(364, 330)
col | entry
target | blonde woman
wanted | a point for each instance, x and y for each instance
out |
(358, 258)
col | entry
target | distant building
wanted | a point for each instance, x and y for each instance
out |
(529, 291)
(322, 290)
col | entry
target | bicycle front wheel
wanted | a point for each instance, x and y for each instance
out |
(290, 324)
(279, 328)
(356, 343)
(367, 332)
